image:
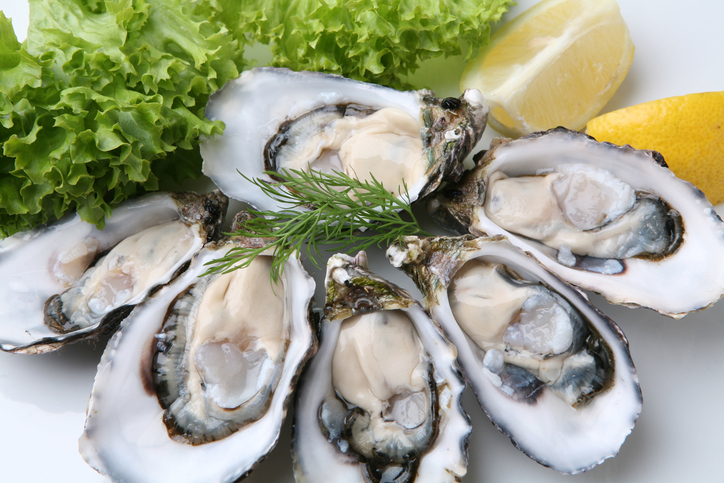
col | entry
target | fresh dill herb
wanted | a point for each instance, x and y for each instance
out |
(321, 209)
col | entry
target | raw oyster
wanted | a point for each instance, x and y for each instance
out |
(69, 280)
(609, 219)
(277, 118)
(194, 386)
(550, 370)
(380, 402)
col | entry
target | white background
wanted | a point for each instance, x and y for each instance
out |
(679, 434)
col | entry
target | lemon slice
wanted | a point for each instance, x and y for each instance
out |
(687, 130)
(557, 64)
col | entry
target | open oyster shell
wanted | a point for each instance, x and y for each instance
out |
(69, 280)
(610, 219)
(549, 369)
(194, 386)
(277, 118)
(380, 402)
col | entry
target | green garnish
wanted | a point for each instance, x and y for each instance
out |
(370, 40)
(103, 101)
(323, 209)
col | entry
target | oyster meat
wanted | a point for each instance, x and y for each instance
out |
(549, 370)
(380, 402)
(194, 386)
(69, 280)
(609, 219)
(279, 119)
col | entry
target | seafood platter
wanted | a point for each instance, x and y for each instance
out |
(417, 362)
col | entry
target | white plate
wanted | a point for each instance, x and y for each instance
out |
(680, 363)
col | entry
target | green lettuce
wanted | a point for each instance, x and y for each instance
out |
(104, 98)
(373, 40)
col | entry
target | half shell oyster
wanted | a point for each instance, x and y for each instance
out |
(549, 369)
(380, 402)
(277, 119)
(610, 219)
(194, 386)
(69, 280)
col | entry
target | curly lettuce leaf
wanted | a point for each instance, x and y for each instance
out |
(103, 98)
(371, 40)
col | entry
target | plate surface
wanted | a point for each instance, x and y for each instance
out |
(680, 363)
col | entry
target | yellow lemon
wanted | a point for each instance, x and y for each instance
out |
(687, 130)
(557, 64)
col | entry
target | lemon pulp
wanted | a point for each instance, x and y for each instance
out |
(557, 64)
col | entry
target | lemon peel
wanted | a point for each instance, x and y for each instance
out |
(687, 130)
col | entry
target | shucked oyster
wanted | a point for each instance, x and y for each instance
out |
(610, 219)
(380, 402)
(549, 369)
(277, 118)
(69, 280)
(194, 385)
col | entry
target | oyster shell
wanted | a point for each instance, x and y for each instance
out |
(549, 369)
(194, 386)
(69, 280)
(609, 219)
(277, 118)
(380, 402)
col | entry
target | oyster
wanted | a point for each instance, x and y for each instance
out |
(549, 369)
(380, 402)
(69, 280)
(609, 219)
(277, 119)
(194, 386)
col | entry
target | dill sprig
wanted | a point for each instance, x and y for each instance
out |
(333, 210)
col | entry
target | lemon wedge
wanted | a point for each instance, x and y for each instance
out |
(557, 64)
(687, 130)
